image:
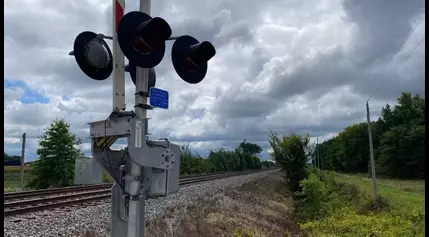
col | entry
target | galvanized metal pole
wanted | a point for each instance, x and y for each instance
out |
(118, 59)
(371, 153)
(22, 160)
(136, 222)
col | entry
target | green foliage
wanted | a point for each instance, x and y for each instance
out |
(245, 232)
(250, 148)
(315, 195)
(347, 223)
(267, 164)
(57, 154)
(192, 163)
(290, 153)
(8, 157)
(107, 178)
(332, 207)
(398, 138)
(242, 158)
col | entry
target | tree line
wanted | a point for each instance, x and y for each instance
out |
(11, 157)
(57, 154)
(398, 140)
(243, 157)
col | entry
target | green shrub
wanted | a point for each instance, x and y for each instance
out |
(331, 208)
(315, 198)
(290, 153)
(328, 177)
(312, 170)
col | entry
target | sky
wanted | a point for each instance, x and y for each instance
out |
(286, 66)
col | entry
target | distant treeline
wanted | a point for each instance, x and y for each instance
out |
(11, 160)
(244, 157)
(8, 157)
(241, 158)
(398, 138)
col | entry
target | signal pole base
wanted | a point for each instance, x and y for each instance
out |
(119, 226)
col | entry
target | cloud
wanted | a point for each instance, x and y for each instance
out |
(288, 66)
(26, 94)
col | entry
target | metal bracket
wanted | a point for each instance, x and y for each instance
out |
(141, 93)
(144, 106)
(119, 126)
(144, 152)
(131, 177)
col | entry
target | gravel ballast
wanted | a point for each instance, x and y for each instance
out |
(71, 221)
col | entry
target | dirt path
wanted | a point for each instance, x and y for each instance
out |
(259, 208)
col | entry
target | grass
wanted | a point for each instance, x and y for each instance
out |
(12, 180)
(12, 177)
(13, 169)
(404, 195)
(399, 211)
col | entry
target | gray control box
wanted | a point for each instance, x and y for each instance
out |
(87, 172)
(164, 182)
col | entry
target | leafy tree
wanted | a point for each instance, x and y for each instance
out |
(290, 153)
(250, 148)
(57, 154)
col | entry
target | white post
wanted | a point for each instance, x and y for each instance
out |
(118, 59)
(136, 222)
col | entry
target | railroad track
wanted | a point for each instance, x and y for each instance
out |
(30, 201)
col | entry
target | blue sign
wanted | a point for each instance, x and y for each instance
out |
(158, 98)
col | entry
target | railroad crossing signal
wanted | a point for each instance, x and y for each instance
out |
(93, 55)
(146, 168)
(190, 58)
(142, 38)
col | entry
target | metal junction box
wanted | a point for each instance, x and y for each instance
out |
(87, 172)
(164, 182)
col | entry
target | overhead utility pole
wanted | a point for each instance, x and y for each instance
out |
(371, 153)
(22, 161)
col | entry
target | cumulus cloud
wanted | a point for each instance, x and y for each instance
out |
(288, 66)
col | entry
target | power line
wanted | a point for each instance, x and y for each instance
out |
(405, 41)
(412, 31)
(406, 58)
(399, 65)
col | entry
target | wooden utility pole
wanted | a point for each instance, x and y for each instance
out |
(317, 153)
(371, 154)
(22, 163)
